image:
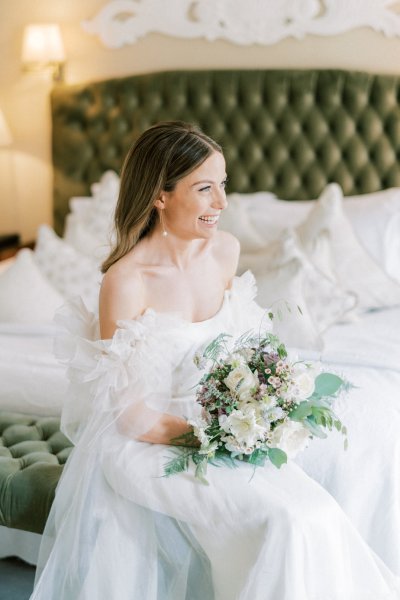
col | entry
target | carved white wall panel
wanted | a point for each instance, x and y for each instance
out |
(122, 22)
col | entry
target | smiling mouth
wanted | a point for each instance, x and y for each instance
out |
(212, 220)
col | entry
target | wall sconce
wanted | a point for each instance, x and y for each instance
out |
(43, 48)
(5, 133)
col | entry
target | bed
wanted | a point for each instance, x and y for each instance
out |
(314, 190)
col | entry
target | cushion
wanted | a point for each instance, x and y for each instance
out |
(305, 300)
(26, 295)
(376, 222)
(79, 236)
(375, 219)
(280, 285)
(69, 271)
(330, 243)
(32, 454)
(6, 263)
(91, 218)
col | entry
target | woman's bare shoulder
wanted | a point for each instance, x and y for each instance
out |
(122, 295)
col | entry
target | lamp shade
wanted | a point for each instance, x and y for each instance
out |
(5, 134)
(42, 44)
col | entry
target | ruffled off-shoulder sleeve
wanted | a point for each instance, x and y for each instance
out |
(245, 313)
(126, 379)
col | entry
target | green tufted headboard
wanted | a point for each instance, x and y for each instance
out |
(290, 132)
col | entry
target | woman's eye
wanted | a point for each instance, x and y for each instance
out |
(223, 184)
(206, 188)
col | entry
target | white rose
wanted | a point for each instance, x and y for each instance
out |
(291, 437)
(304, 385)
(242, 381)
(243, 426)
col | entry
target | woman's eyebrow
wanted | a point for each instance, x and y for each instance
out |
(206, 181)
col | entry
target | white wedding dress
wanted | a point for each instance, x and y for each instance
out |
(119, 530)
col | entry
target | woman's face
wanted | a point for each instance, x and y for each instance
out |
(192, 209)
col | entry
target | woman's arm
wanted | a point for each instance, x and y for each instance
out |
(123, 297)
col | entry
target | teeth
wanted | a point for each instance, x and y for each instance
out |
(209, 219)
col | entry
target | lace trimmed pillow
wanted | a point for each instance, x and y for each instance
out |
(330, 243)
(70, 272)
(304, 300)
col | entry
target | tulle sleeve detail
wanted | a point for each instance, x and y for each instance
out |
(127, 379)
(245, 287)
(246, 314)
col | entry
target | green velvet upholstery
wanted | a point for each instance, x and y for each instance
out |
(32, 454)
(290, 132)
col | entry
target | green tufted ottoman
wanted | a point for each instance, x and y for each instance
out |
(32, 454)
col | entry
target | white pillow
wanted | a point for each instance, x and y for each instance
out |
(280, 290)
(286, 280)
(376, 222)
(375, 219)
(6, 263)
(79, 236)
(25, 294)
(237, 219)
(329, 241)
(392, 248)
(69, 271)
(95, 214)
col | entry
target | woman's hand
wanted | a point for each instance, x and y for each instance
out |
(170, 430)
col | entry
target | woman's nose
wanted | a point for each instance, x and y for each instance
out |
(220, 199)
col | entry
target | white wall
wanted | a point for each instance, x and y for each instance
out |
(25, 173)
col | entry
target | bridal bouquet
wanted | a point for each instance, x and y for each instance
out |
(256, 405)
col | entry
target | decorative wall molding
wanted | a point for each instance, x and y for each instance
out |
(122, 22)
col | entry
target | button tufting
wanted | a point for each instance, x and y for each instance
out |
(263, 120)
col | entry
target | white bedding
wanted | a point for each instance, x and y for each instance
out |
(372, 340)
(366, 353)
(32, 381)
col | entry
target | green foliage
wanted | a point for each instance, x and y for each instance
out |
(216, 347)
(327, 384)
(179, 462)
(277, 457)
(258, 458)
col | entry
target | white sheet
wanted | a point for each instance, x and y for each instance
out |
(372, 340)
(367, 353)
(31, 379)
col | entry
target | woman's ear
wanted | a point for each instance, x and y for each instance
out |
(160, 201)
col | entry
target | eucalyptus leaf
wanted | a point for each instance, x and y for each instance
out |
(314, 428)
(327, 384)
(277, 457)
(303, 410)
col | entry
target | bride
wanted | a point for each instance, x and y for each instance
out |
(118, 530)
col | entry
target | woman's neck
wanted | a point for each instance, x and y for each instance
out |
(171, 249)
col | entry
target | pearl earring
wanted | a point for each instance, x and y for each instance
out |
(164, 231)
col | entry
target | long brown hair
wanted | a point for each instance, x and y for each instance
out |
(160, 157)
